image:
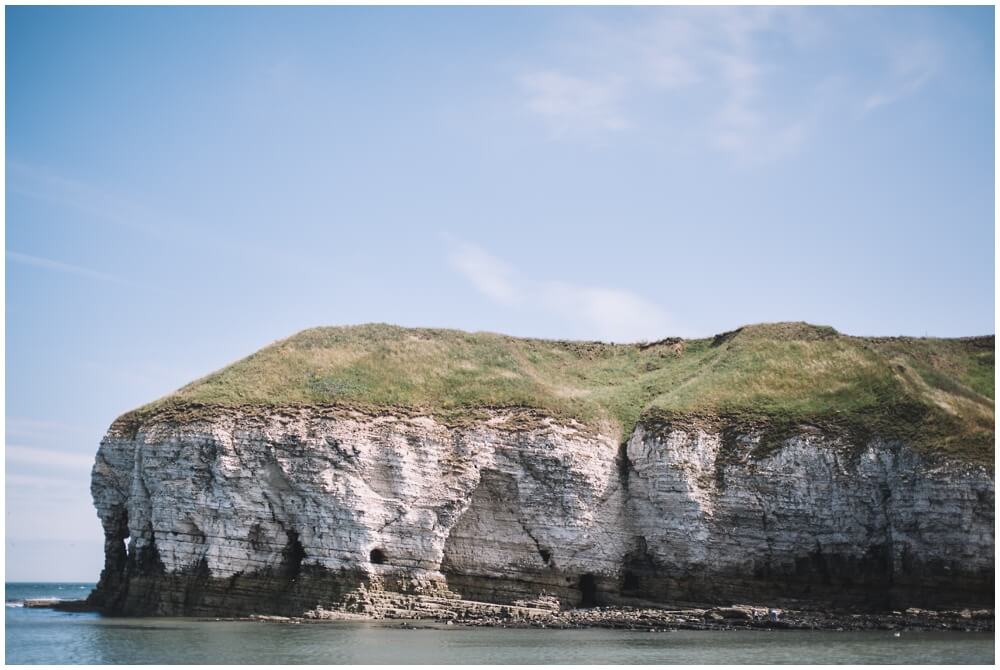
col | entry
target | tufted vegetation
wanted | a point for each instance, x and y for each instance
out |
(935, 393)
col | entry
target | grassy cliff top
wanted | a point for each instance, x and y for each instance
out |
(936, 393)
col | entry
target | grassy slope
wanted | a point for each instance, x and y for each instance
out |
(936, 393)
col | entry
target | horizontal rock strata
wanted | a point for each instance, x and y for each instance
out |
(288, 511)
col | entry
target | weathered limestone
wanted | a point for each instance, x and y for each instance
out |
(819, 518)
(291, 510)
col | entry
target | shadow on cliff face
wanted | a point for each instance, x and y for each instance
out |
(113, 582)
(135, 583)
(489, 554)
(493, 553)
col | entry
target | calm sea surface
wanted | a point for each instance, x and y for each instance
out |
(44, 636)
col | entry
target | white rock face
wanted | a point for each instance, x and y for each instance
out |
(816, 512)
(229, 513)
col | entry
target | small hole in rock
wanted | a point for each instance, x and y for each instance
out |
(377, 556)
(545, 554)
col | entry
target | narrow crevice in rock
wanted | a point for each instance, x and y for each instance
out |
(624, 465)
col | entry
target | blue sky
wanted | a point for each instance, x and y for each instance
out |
(186, 185)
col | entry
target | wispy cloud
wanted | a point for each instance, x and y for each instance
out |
(661, 61)
(741, 127)
(66, 268)
(129, 212)
(912, 65)
(752, 82)
(489, 275)
(612, 314)
(42, 184)
(573, 106)
(602, 313)
(47, 458)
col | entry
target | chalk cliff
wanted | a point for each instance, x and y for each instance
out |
(230, 508)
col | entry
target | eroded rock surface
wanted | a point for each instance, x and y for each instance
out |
(289, 511)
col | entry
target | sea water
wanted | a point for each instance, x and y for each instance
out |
(47, 636)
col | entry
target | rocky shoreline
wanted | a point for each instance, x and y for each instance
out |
(539, 615)
(743, 618)
(739, 617)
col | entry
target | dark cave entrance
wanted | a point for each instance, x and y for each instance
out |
(588, 590)
(293, 555)
(639, 572)
(377, 556)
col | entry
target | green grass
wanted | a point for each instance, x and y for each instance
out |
(935, 393)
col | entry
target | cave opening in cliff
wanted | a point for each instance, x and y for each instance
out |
(294, 554)
(117, 555)
(630, 582)
(377, 556)
(588, 590)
